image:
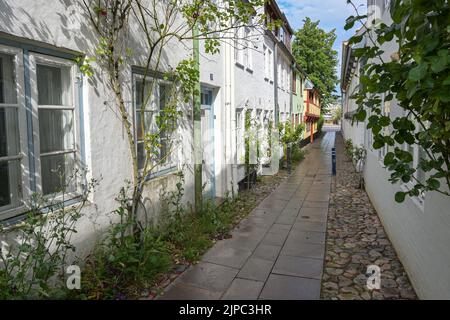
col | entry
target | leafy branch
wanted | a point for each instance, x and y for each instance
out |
(416, 79)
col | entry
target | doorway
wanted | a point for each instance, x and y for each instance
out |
(208, 161)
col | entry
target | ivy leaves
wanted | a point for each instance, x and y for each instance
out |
(416, 78)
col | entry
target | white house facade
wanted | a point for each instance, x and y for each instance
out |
(52, 116)
(419, 228)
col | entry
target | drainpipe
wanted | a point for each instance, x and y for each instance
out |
(198, 156)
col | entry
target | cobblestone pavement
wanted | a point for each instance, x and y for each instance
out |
(355, 240)
(277, 252)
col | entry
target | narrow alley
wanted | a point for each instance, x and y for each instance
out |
(278, 251)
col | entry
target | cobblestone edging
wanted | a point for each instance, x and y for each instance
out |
(355, 240)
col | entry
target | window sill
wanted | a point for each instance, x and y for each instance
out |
(12, 214)
(13, 217)
(161, 174)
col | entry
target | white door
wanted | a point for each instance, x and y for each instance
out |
(208, 174)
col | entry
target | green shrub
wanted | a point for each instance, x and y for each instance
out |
(349, 148)
(35, 252)
(298, 154)
(320, 123)
(124, 263)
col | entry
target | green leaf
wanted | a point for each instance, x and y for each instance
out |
(361, 115)
(438, 64)
(446, 81)
(378, 144)
(349, 22)
(418, 73)
(384, 121)
(400, 197)
(389, 158)
(434, 184)
(355, 39)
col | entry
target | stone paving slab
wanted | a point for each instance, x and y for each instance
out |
(275, 239)
(267, 252)
(310, 226)
(226, 255)
(300, 236)
(308, 250)
(277, 252)
(299, 267)
(243, 289)
(181, 291)
(279, 287)
(209, 276)
(256, 269)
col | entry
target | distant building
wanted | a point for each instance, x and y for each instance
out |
(312, 109)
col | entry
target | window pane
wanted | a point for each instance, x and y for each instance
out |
(421, 175)
(9, 132)
(141, 155)
(9, 183)
(7, 80)
(53, 85)
(143, 127)
(55, 130)
(142, 97)
(57, 173)
(163, 152)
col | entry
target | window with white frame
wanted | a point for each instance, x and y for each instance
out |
(271, 69)
(10, 118)
(386, 110)
(54, 89)
(259, 124)
(369, 139)
(285, 82)
(53, 107)
(150, 100)
(239, 47)
(266, 62)
(420, 175)
(418, 153)
(243, 54)
(248, 54)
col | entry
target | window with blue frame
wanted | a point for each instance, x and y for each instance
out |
(39, 144)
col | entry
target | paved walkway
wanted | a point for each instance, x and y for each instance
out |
(278, 251)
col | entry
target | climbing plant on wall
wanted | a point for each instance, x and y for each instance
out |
(417, 79)
(161, 23)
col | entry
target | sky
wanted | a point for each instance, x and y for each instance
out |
(331, 13)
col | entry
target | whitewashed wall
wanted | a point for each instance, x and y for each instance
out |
(63, 24)
(251, 90)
